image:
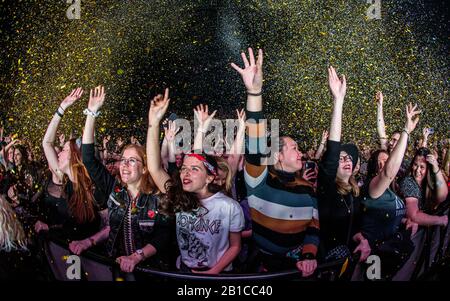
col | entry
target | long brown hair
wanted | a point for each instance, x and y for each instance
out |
(82, 202)
(147, 185)
(178, 200)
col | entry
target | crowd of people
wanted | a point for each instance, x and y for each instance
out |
(211, 212)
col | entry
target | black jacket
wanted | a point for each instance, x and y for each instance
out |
(147, 224)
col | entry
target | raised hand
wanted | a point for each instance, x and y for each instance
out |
(119, 141)
(203, 117)
(426, 132)
(171, 130)
(241, 116)
(338, 86)
(106, 140)
(433, 161)
(62, 139)
(252, 74)
(96, 98)
(412, 117)
(73, 96)
(158, 107)
(379, 98)
(324, 137)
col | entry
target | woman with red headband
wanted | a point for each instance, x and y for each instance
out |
(208, 222)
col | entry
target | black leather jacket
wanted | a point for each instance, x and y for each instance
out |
(147, 224)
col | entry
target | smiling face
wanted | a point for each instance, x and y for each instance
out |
(290, 157)
(419, 169)
(131, 167)
(345, 167)
(17, 157)
(194, 176)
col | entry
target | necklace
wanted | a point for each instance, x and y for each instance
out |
(347, 206)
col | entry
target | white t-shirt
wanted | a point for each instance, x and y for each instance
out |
(203, 235)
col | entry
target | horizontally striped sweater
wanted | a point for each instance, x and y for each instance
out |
(284, 214)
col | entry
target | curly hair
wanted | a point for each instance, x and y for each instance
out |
(12, 236)
(178, 200)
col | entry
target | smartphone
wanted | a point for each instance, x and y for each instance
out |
(172, 117)
(310, 164)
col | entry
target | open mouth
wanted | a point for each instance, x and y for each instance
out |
(186, 181)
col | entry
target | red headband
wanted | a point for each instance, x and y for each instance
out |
(208, 165)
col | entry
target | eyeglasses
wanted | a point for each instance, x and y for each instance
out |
(345, 158)
(130, 161)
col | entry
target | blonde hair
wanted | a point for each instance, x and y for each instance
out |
(225, 167)
(12, 236)
(344, 188)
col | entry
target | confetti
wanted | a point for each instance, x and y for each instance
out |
(137, 48)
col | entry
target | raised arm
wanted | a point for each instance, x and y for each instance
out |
(97, 171)
(50, 134)
(96, 100)
(321, 147)
(204, 119)
(105, 142)
(158, 108)
(170, 133)
(6, 149)
(425, 133)
(338, 88)
(252, 76)
(382, 181)
(440, 184)
(381, 128)
(236, 148)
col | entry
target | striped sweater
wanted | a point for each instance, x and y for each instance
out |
(284, 213)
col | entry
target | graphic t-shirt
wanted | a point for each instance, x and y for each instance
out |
(203, 234)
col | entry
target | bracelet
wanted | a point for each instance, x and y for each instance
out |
(255, 94)
(435, 173)
(61, 109)
(58, 113)
(406, 132)
(90, 113)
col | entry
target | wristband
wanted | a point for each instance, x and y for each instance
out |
(90, 113)
(58, 113)
(255, 94)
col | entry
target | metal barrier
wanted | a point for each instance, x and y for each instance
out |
(431, 254)
(175, 275)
